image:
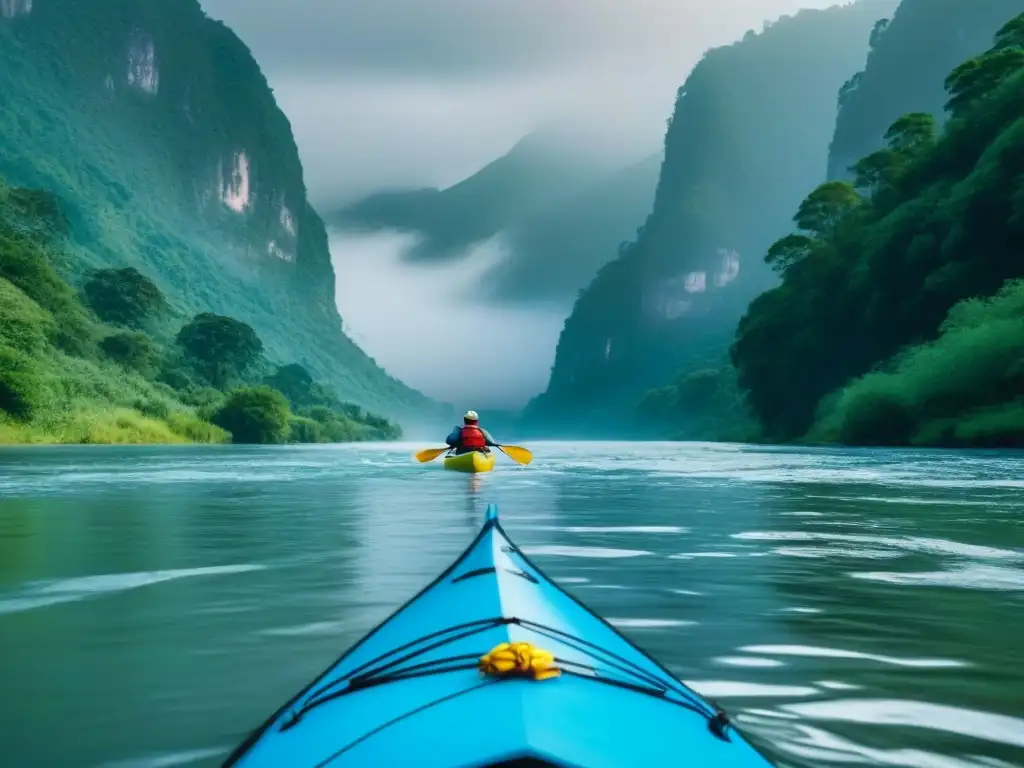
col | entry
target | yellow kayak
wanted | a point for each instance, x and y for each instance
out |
(474, 461)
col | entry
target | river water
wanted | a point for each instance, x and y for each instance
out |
(847, 607)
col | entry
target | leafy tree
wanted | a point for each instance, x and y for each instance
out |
(788, 251)
(123, 296)
(320, 413)
(822, 211)
(876, 171)
(977, 77)
(908, 138)
(294, 382)
(132, 349)
(255, 415)
(912, 132)
(221, 347)
(176, 375)
(1011, 35)
(304, 430)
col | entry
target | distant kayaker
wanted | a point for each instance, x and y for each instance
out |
(470, 436)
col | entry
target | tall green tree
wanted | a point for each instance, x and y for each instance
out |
(788, 251)
(824, 210)
(132, 349)
(912, 132)
(221, 347)
(124, 296)
(979, 76)
(254, 415)
(294, 382)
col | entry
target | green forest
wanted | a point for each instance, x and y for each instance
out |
(155, 130)
(115, 362)
(900, 317)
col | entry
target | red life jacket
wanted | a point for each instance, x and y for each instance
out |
(472, 437)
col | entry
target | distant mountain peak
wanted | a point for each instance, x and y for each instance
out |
(541, 169)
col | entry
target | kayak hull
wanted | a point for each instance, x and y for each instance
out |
(474, 461)
(409, 692)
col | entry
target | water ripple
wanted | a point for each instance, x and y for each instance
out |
(42, 594)
(918, 714)
(835, 653)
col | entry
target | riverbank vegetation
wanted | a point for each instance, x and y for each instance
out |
(116, 363)
(900, 317)
(702, 404)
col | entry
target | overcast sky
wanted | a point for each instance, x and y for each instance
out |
(411, 92)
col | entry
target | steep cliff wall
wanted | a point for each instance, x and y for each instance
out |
(157, 131)
(910, 57)
(749, 135)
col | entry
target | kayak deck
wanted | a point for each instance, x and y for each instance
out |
(473, 461)
(410, 691)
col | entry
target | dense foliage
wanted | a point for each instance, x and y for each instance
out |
(254, 415)
(66, 376)
(132, 349)
(154, 128)
(910, 55)
(748, 137)
(221, 347)
(880, 331)
(703, 404)
(124, 296)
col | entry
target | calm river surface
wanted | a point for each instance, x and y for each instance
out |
(847, 607)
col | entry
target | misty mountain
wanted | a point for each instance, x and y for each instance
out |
(749, 136)
(541, 170)
(555, 252)
(558, 213)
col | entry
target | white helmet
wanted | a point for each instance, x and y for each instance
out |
(471, 416)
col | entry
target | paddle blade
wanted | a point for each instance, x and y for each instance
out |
(428, 454)
(517, 454)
